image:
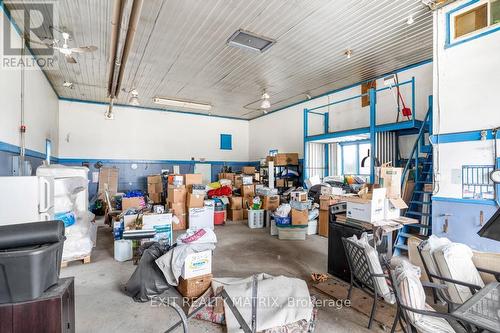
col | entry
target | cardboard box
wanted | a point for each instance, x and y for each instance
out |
(248, 170)
(177, 207)
(197, 264)
(108, 180)
(176, 194)
(324, 220)
(247, 180)
(149, 221)
(227, 175)
(247, 190)
(270, 202)
(300, 217)
(367, 210)
(245, 214)
(390, 179)
(298, 196)
(155, 197)
(280, 182)
(392, 208)
(194, 287)
(236, 202)
(182, 223)
(176, 180)
(286, 159)
(325, 201)
(192, 179)
(194, 200)
(201, 217)
(238, 181)
(235, 214)
(136, 202)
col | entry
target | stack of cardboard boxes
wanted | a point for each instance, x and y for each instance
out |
(181, 197)
(235, 211)
(196, 274)
(300, 216)
(155, 188)
(380, 202)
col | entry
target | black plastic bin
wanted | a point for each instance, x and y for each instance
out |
(30, 259)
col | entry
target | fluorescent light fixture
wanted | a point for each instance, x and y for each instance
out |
(182, 104)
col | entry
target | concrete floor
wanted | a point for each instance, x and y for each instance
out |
(101, 306)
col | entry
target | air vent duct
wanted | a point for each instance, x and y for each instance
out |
(250, 41)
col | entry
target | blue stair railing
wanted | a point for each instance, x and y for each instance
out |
(420, 204)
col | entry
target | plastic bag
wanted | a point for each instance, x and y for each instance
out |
(68, 218)
(313, 214)
(147, 279)
(283, 210)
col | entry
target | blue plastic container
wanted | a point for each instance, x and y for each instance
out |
(282, 220)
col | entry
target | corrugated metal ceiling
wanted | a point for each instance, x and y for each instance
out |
(180, 49)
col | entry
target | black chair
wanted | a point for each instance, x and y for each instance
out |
(402, 315)
(361, 274)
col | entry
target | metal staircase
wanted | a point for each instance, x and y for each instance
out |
(420, 205)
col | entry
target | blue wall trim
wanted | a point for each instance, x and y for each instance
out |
(460, 137)
(486, 31)
(466, 201)
(10, 148)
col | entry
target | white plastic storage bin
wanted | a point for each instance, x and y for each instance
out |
(123, 250)
(256, 218)
(292, 232)
(312, 227)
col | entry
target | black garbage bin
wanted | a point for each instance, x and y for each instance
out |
(30, 259)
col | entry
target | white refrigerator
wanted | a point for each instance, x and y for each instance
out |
(26, 199)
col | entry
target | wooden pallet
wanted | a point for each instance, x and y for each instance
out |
(360, 302)
(84, 260)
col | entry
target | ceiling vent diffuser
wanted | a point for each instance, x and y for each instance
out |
(250, 41)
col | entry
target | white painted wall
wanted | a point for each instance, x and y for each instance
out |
(137, 133)
(283, 130)
(41, 104)
(466, 82)
(466, 87)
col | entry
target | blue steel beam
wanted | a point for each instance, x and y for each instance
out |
(373, 136)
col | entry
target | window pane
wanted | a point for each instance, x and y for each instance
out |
(363, 152)
(495, 12)
(350, 160)
(471, 20)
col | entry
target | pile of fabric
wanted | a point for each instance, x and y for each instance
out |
(283, 304)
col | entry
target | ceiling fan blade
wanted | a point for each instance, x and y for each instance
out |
(70, 59)
(84, 49)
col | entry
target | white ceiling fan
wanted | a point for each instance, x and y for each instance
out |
(69, 51)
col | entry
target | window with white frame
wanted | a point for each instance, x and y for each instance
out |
(474, 18)
(350, 156)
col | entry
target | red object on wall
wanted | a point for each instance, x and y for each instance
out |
(406, 112)
(220, 217)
